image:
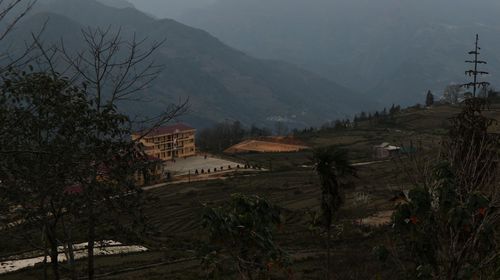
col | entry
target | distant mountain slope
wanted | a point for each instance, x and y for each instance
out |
(221, 83)
(169, 8)
(120, 4)
(393, 50)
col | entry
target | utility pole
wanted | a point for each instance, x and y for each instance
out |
(475, 73)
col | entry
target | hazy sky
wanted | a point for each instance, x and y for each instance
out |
(169, 8)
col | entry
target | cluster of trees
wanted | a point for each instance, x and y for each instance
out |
(348, 123)
(242, 236)
(451, 94)
(66, 156)
(363, 116)
(64, 162)
(224, 135)
(241, 232)
(449, 227)
(337, 124)
(454, 94)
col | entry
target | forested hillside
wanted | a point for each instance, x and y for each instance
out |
(220, 82)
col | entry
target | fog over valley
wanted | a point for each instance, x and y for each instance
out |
(388, 50)
(379, 52)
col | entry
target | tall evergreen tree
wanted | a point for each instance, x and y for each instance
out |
(332, 166)
(475, 73)
(429, 99)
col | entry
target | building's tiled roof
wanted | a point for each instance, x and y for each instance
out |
(179, 127)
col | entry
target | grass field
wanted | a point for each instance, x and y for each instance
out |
(292, 184)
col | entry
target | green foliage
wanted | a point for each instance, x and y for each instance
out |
(332, 166)
(429, 99)
(381, 253)
(435, 217)
(61, 158)
(450, 226)
(45, 121)
(242, 231)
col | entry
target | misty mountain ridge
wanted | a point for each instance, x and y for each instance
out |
(220, 82)
(120, 4)
(392, 50)
(170, 8)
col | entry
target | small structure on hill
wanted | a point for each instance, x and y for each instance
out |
(385, 150)
(494, 128)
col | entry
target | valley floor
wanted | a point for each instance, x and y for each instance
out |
(291, 183)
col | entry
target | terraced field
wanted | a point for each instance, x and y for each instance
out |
(297, 191)
(175, 210)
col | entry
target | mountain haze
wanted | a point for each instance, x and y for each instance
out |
(170, 8)
(392, 50)
(121, 4)
(220, 82)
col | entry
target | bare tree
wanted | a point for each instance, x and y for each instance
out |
(112, 70)
(451, 94)
(449, 227)
(11, 11)
(108, 71)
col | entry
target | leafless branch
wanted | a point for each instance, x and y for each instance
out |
(8, 8)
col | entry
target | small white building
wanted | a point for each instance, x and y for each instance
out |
(385, 150)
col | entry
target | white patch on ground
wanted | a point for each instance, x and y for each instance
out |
(378, 219)
(104, 248)
(184, 166)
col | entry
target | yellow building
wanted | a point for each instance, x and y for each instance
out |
(168, 142)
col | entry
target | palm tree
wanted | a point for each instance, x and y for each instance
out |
(332, 166)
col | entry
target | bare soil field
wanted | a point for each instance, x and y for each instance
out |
(261, 146)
